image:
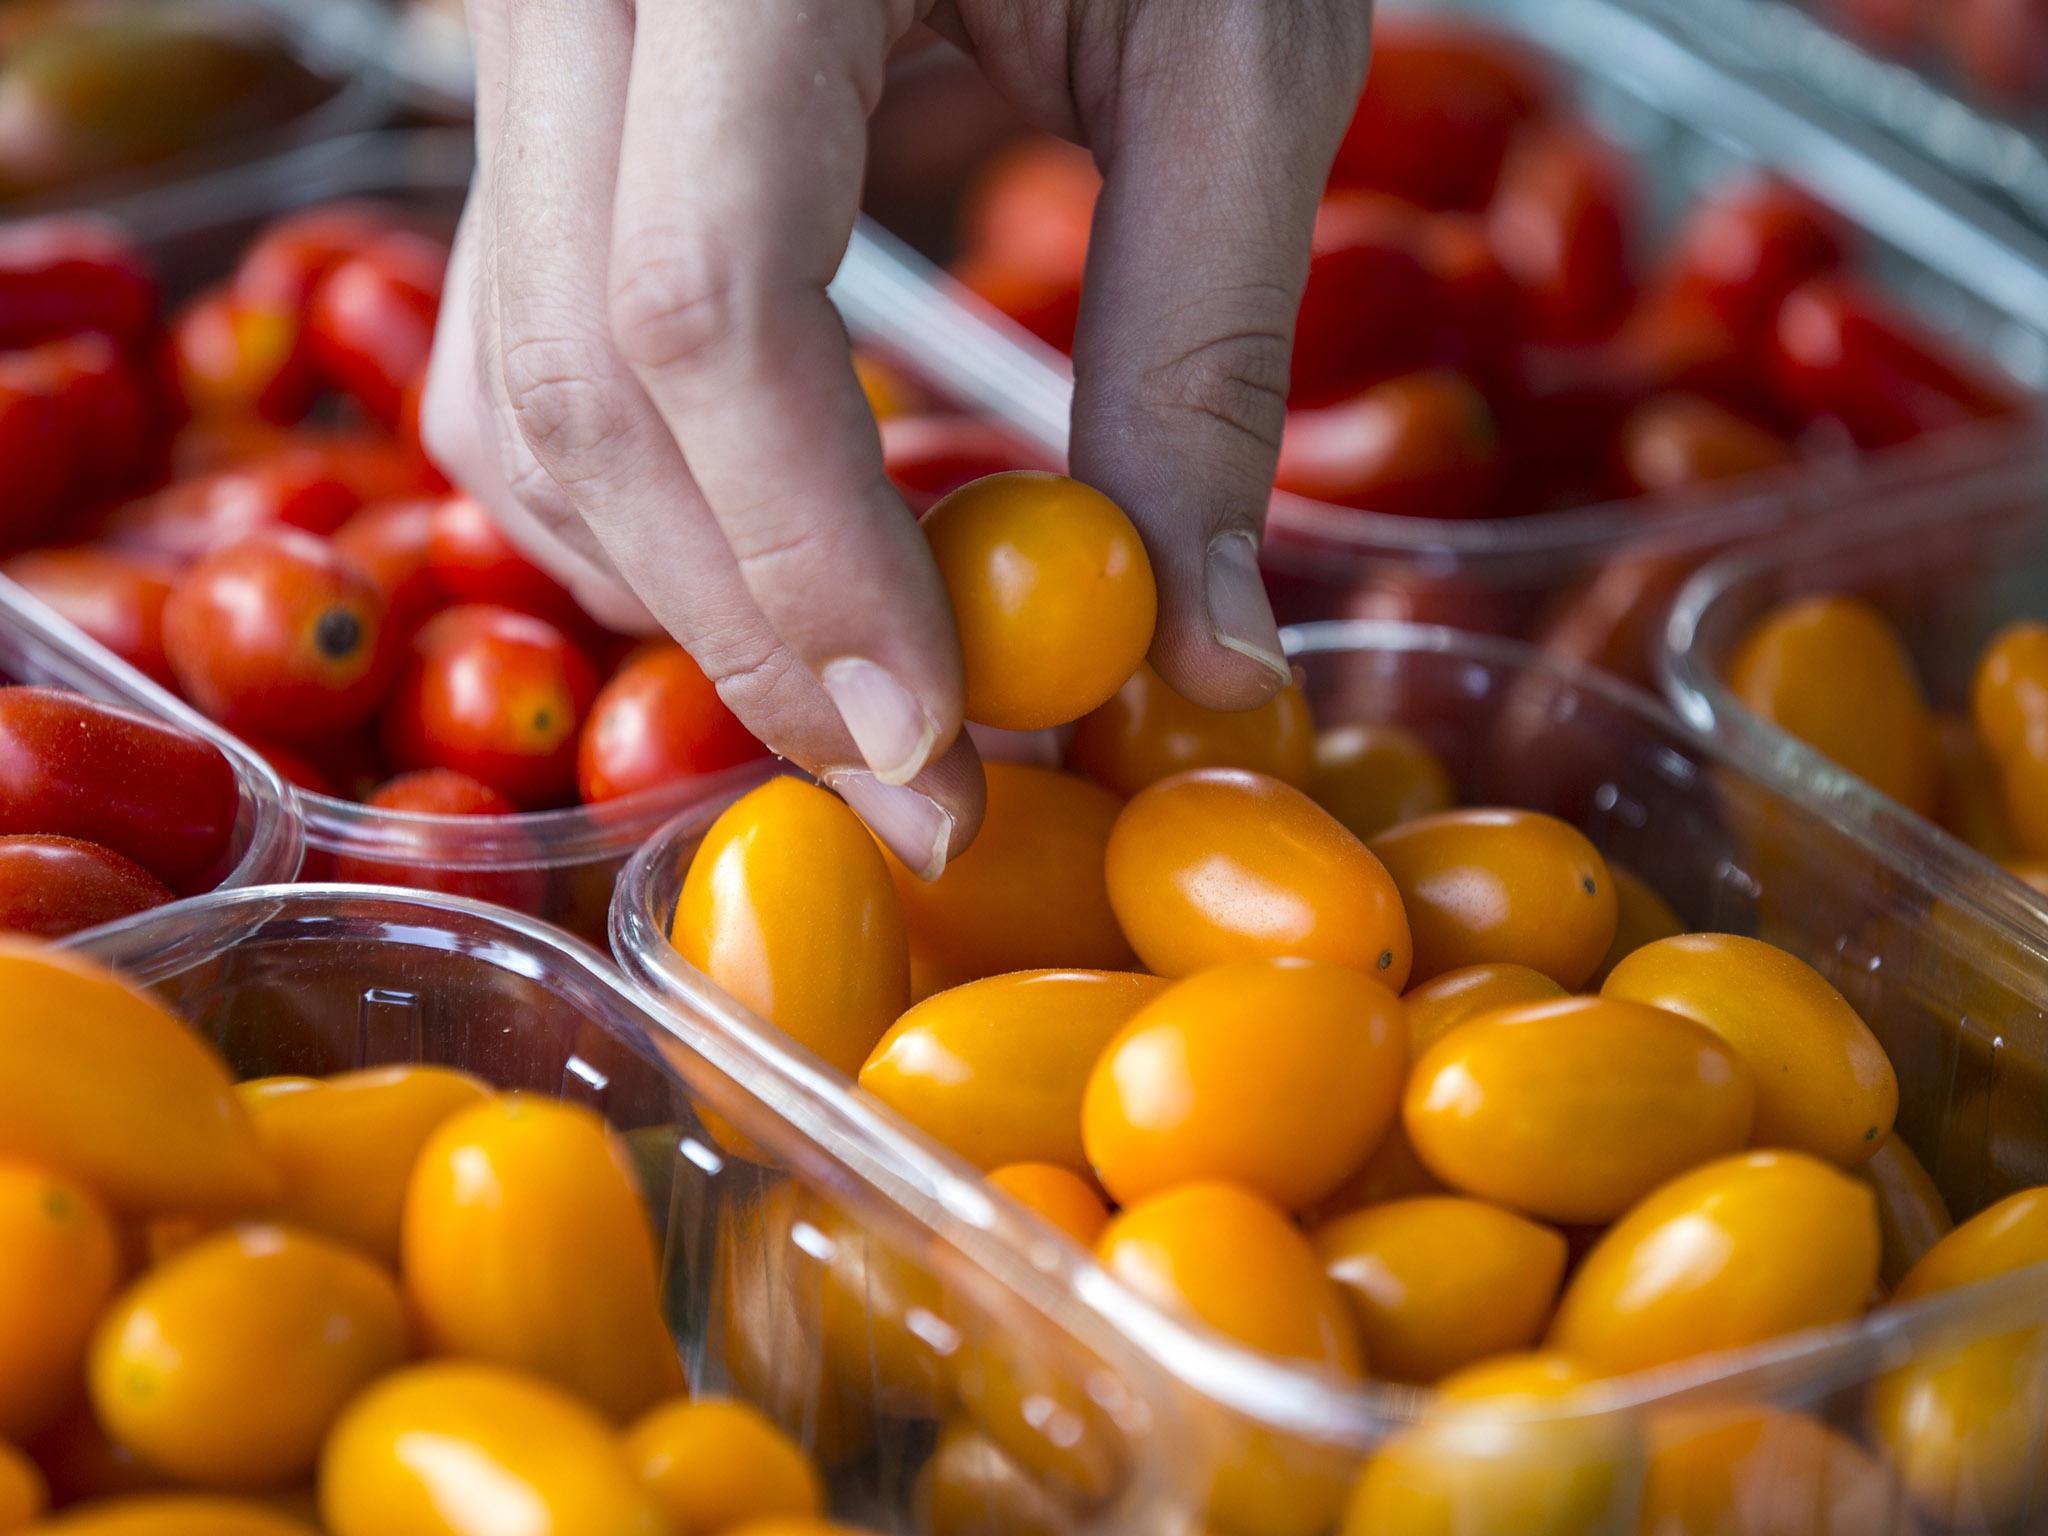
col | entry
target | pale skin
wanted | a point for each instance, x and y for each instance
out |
(639, 372)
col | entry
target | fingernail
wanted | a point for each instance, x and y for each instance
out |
(890, 727)
(913, 825)
(1240, 617)
(1044, 748)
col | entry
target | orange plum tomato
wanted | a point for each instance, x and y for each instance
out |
(1147, 732)
(1372, 777)
(1057, 1195)
(657, 722)
(1052, 595)
(1485, 886)
(788, 906)
(1222, 864)
(1575, 1109)
(63, 1259)
(1183, 1095)
(713, 1464)
(1441, 1004)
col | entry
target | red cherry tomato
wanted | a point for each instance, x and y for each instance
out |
(118, 412)
(374, 465)
(471, 561)
(237, 357)
(1674, 442)
(432, 857)
(1477, 298)
(658, 721)
(371, 319)
(67, 274)
(1559, 223)
(51, 886)
(280, 635)
(1422, 445)
(1746, 245)
(1439, 106)
(2000, 46)
(115, 598)
(393, 541)
(495, 694)
(76, 767)
(1840, 352)
(1370, 307)
(930, 457)
(40, 451)
(1048, 307)
(285, 263)
(294, 486)
(1032, 209)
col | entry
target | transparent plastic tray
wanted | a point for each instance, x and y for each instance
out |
(1956, 998)
(316, 979)
(1949, 569)
(1585, 576)
(38, 647)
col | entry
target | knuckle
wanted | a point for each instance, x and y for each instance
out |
(672, 299)
(1236, 379)
(563, 399)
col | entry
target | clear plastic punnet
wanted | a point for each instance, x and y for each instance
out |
(1597, 580)
(901, 1343)
(38, 647)
(1948, 567)
(1956, 997)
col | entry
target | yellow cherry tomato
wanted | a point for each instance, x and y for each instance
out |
(2009, 692)
(1028, 894)
(1052, 596)
(968, 1487)
(344, 1146)
(226, 1365)
(1833, 672)
(23, 1493)
(1729, 1255)
(1482, 886)
(2012, 1234)
(172, 1514)
(996, 1069)
(1058, 1195)
(106, 1084)
(59, 1262)
(1277, 1075)
(1641, 916)
(461, 1449)
(1911, 1214)
(1441, 1283)
(1372, 777)
(1220, 864)
(1824, 1085)
(1444, 1002)
(1741, 1471)
(1573, 1110)
(714, 1463)
(1961, 1429)
(526, 1243)
(1148, 732)
(789, 907)
(1501, 1448)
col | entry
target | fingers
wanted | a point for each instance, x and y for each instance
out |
(1215, 151)
(718, 304)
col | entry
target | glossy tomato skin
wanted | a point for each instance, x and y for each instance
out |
(435, 856)
(115, 598)
(70, 273)
(471, 561)
(109, 405)
(51, 886)
(293, 485)
(1223, 864)
(1057, 1195)
(75, 767)
(63, 1262)
(393, 542)
(41, 444)
(280, 635)
(370, 319)
(496, 694)
(1574, 1109)
(1176, 1098)
(657, 722)
(714, 1465)
(1146, 732)
(1559, 224)
(284, 264)
(237, 358)
(1417, 445)
(1441, 1004)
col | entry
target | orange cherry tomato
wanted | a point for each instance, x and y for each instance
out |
(1057, 1194)
(1372, 777)
(1221, 864)
(996, 1069)
(1417, 445)
(23, 1493)
(280, 635)
(1440, 1283)
(344, 1146)
(226, 1364)
(1832, 672)
(1574, 1110)
(1739, 1471)
(1641, 916)
(1675, 442)
(1028, 894)
(1502, 1447)
(788, 906)
(1911, 1213)
(1824, 1084)
(1148, 732)
(1439, 1006)
(1052, 595)
(2012, 1234)
(714, 1464)
(104, 1084)
(969, 1487)
(1482, 886)
(1734, 1253)
(63, 1260)
(173, 1514)
(526, 1242)
(410, 1455)
(1181, 1095)
(659, 721)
